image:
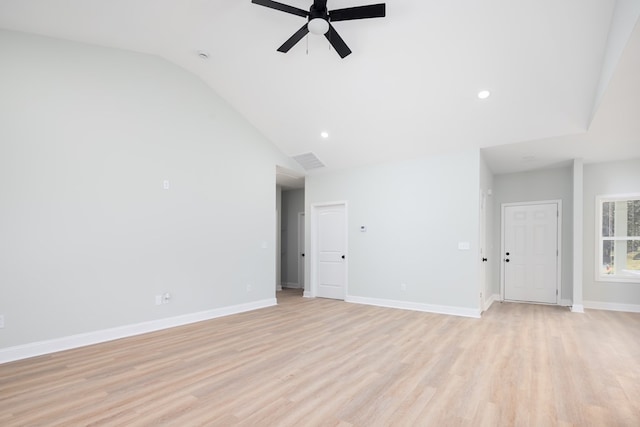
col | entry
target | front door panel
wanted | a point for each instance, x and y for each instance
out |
(530, 253)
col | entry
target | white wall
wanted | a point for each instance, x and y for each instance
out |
(546, 184)
(599, 179)
(88, 235)
(292, 204)
(415, 212)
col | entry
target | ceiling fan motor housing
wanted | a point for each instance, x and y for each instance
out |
(318, 11)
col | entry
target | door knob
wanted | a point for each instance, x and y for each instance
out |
(507, 254)
(484, 260)
(302, 254)
(506, 260)
(342, 256)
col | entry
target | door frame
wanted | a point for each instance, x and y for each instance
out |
(558, 202)
(482, 246)
(301, 250)
(313, 246)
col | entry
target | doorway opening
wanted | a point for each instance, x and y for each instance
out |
(290, 228)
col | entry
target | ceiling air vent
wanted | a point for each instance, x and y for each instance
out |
(308, 161)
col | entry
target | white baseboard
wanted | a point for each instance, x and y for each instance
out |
(577, 308)
(493, 298)
(562, 303)
(613, 306)
(307, 294)
(415, 306)
(290, 285)
(74, 341)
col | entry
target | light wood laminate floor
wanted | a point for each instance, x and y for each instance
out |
(312, 362)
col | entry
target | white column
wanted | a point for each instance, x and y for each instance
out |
(578, 230)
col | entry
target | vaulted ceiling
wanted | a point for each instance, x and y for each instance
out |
(563, 74)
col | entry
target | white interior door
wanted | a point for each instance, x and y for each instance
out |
(331, 243)
(530, 253)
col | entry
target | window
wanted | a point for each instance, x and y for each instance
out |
(618, 225)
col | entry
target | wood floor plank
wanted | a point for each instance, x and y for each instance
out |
(318, 362)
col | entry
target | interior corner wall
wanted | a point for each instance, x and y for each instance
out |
(416, 213)
(292, 205)
(538, 185)
(89, 237)
(622, 177)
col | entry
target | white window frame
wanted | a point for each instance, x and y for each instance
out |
(600, 199)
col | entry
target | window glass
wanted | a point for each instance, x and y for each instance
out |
(619, 229)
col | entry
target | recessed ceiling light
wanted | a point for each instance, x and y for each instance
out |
(203, 55)
(325, 135)
(484, 94)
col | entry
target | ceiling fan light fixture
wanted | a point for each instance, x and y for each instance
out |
(318, 26)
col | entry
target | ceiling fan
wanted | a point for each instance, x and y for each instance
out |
(319, 21)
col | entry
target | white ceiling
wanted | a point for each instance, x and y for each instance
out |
(409, 87)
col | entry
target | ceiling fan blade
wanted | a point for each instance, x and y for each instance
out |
(336, 41)
(281, 7)
(358, 12)
(294, 39)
